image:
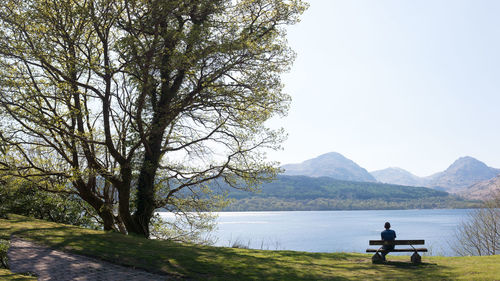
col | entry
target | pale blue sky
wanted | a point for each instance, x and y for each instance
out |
(412, 84)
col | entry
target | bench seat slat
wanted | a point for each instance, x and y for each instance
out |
(400, 250)
(397, 242)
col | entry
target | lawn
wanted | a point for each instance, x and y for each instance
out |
(217, 263)
(6, 275)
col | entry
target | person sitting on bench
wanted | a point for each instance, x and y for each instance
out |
(387, 235)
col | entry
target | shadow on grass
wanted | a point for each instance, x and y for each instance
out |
(305, 266)
(217, 263)
(185, 261)
(402, 264)
(407, 270)
(4, 233)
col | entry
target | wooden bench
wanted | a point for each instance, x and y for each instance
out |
(415, 258)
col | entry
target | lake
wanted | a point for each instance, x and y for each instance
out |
(336, 231)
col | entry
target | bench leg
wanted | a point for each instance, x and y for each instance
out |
(377, 258)
(416, 258)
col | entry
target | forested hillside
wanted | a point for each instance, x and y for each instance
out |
(288, 193)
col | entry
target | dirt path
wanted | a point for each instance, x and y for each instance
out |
(48, 264)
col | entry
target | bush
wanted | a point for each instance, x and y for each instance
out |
(479, 234)
(4, 247)
(239, 244)
(23, 199)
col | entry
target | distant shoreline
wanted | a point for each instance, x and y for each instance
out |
(340, 210)
(334, 204)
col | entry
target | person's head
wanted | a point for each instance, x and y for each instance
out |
(387, 225)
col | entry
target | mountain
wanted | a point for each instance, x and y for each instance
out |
(483, 190)
(463, 173)
(294, 193)
(333, 165)
(399, 176)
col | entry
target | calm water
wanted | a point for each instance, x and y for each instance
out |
(334, 231)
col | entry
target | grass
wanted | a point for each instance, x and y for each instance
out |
(6, 275)
(218, 263)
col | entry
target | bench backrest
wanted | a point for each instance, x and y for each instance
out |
(397, 242)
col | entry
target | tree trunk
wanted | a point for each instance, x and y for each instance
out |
(107, 219)
(124, 210)
(105, 212)
(145, 197)
(146, 183)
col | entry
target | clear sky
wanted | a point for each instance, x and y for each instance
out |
(395, 83)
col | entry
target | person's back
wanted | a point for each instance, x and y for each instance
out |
(387, 235)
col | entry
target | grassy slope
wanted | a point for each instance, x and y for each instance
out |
(213, 263)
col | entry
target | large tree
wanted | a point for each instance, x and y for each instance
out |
(136, 105)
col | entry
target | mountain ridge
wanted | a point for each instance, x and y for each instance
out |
(462, 173)
(332, 164)
(457, 178)
(483, 190)
(396, 175)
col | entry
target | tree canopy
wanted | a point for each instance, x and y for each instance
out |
(127, 102)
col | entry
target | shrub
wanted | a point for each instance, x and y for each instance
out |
(479, 234)
(4, 247)
(20, 197)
